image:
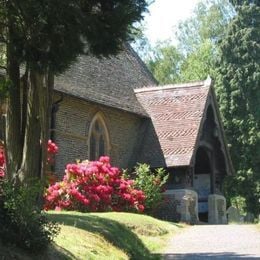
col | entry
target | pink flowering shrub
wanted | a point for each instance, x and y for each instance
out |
(2, 163)
(94, 186)
(52, 150)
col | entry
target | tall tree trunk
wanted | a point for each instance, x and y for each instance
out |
(31, 148)
(39, 100)
(28, 115)
(45, 104)
(13, 120)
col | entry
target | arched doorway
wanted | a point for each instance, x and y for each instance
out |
(202, 181)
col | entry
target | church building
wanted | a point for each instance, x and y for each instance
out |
(114, 106)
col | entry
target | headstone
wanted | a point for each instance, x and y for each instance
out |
(249, 218)
(217, 209)
(233, 215)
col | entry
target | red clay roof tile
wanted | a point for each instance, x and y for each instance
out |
(176, 112)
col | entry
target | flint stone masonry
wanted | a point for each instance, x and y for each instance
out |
(187, 206)
(217, 209)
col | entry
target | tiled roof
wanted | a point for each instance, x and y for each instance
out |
(107, 81)
(176, 112)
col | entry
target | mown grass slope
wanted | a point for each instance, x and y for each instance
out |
(103, 236)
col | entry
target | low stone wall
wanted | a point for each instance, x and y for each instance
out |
(179, 205)
(217, 209)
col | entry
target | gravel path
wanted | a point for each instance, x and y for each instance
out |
(216, 242)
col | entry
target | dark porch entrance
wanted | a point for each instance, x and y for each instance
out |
(202, 181)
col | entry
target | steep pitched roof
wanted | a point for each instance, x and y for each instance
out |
(107, 81)
(176, 112)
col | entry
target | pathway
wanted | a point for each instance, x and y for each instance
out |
(215, 242)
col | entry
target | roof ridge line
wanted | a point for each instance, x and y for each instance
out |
(172, 86)
(141, 63)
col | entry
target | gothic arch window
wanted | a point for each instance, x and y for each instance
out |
(98, 141)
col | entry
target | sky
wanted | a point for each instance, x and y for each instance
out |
(164, 16)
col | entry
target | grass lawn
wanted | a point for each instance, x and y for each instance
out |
(100, 236)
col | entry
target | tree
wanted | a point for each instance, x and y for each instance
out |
(197, 45)
(208, 23)
(238, 91)
(42, 38)
(198, 38)
(199, 63)
(164, 63)
(241, 2)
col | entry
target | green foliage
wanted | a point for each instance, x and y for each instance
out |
(241, 2)
(240, 203)
(195, 55)
(238, 81)
(151, 183)
(199, 63)
(22, 223)
(164, 63)
(208, 23)
(4, 87)
(52, 33)
(198, 38)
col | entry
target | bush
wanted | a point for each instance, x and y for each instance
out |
(152, 184)
(21, 221)
(240, 203)
(52, 150)
(94, 186)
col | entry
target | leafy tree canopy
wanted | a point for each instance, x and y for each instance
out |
(199, 63)
(208, 22)
(241, 2)
(165, 63)
(238, 90)
(197, 44)
(51, 33)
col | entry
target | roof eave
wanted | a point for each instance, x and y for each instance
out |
(206, 83)
(170, 86)
(225, 144)
(230, 170)
(142, 115)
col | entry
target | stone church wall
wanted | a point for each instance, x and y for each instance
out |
(72, 128)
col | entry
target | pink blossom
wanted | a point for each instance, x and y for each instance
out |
(94, 186)
(104, 159)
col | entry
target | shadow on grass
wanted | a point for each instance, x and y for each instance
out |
(116, 233)
(53, 252)
(58, 252)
